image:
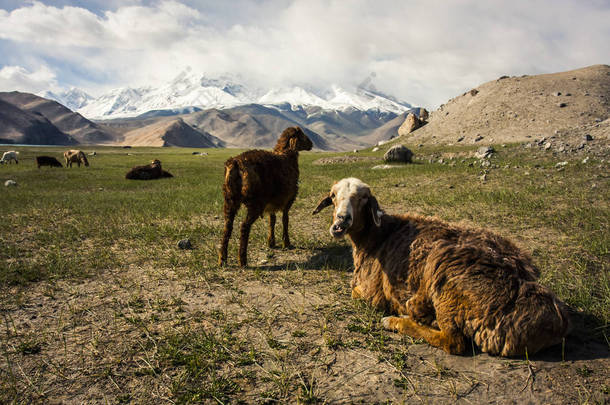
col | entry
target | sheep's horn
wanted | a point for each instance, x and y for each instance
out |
(323, 204)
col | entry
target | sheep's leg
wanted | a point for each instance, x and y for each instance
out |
(271, 238)
(420, 309)
(285, 236)
(230, 210)
(251, 216)
(357, 293)
(448, 339)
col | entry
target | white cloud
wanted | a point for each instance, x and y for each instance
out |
(17, 78)
(422, 52)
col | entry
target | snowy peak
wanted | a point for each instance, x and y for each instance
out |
(190, 90)
(72, 98)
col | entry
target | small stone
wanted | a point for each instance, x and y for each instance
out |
(185, 244)
(588, 137)
(484, 152)
(483, 177)
(10, 183)
(355, 150)
(478, 138)
(375, 149)
(561, 164)
(485, 163)
(561, 105)
(460, 139)
(557, 94)
(547, 146)
(585, 160)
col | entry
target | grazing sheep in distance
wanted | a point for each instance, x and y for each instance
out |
(449, 284)
(8, 156)
(265, 182)
(47, 161)
(75, 156)
(147, 172)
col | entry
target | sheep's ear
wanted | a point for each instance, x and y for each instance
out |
(375, 210)
(323, 204)
(293, 143)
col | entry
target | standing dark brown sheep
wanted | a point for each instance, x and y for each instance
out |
(147, 172)
(449, 284)
(265, 182)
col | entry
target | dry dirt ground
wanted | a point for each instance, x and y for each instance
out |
(281, 334)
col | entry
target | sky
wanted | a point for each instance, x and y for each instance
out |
(421, 52)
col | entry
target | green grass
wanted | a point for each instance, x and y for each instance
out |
(63, 227)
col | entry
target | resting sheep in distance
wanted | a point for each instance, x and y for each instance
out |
(8, 156)
(47, 161)
(75, 156)
(265, 182)
(147, 172)
(447, 283)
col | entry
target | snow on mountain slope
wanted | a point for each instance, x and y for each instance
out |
(190, 89)
(72, 98)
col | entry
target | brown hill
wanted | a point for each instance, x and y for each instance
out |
(386, 131)
(25, 127)
(67, 121)
(171, 132)
(249, 126)
(515, 109)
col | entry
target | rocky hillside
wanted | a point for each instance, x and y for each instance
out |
(67, 121)
(24, 127)
(567, 106)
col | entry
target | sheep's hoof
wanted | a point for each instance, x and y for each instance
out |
(289, 246)
(386, 322)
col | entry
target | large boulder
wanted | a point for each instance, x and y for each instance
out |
(411, 124)
(398, 153)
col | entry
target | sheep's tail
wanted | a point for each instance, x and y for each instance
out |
(233, 182)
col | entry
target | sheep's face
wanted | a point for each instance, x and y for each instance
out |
(293, 138)
(354, 206)
(300, 141)
(156, 163)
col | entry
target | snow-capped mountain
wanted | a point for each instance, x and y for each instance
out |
(189, 91)
(72, 98)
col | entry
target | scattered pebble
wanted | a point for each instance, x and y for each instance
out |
(185, 244)
(10, 183)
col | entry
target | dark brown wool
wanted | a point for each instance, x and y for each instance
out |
(265, 182)
(47, 161)
(148, 172)
(448, 283)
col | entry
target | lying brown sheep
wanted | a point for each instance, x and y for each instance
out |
(147, 172)
(265, 182)
(47, 161)
(75, 156)
(447, 283)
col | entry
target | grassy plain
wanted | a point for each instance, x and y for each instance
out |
(99, 305)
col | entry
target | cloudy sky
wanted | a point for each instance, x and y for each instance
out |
(422, 52)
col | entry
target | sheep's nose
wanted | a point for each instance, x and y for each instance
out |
(344, 218)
